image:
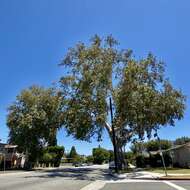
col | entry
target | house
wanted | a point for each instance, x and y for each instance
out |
(180, 155)
(10, 158)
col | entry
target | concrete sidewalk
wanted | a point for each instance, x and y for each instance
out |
(139, 175)
(144, 175)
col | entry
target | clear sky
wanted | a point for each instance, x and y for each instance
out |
(35, 35)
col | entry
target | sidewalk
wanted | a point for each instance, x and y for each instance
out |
(12, 172)
(139, 175)
(9, 172)
(144, 175)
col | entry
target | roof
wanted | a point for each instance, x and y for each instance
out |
(170, 149)
(10, 146)
(177, 147)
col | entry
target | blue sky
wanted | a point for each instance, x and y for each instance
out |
(35, 35)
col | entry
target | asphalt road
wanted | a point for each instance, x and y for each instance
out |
(60, 179)
(84, 178)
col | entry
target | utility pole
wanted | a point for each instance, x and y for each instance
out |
(113, 138)
(162, 156)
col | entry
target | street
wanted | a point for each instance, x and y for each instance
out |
(82, 178)
(59, 179)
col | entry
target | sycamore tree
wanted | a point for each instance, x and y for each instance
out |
(33, 120)
(143, 98)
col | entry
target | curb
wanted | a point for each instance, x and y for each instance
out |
(174, 178)
(124, 176)
(118, 176)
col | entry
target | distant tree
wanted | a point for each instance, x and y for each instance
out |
(52, 155)
(143, 98)
(155, 145)
(111, 158)
(129, 156)
(137, 147)
(182, 140)
(73, 153)
(57, 153)
(100, 155)
(79, 159)
(33, 120)
(46, 158)
(90, 159)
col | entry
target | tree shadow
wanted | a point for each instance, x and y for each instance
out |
(90, 174)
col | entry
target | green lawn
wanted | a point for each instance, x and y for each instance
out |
(169, 170)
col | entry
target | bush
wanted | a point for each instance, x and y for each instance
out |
(52, 155)
(90, 159)
(46, 158)
(57, 153)
(156, 160)
(140, 161)
(129, 157)
(111, 158)
(78, 159)
(100, 155)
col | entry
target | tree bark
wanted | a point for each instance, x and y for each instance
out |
(122, 164)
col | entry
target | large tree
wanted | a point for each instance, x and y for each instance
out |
(33, 120)
(143, 99)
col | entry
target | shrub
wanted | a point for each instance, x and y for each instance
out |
(90, 159)
(52, 155)
(100, 155)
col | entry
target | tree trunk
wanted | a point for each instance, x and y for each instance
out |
(122, 164)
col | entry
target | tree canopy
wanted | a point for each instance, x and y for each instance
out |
(155, 145)
(33, 119)
(143, 98)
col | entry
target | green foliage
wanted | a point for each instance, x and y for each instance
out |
(33, 120)
(78, 159)
(52, 155)
(90, 159)
(155, 145)
(111, 158)
(100, 155)
(141, 161)
(144, 99)
(182, 140)
(130, 157)
(46, 158)
(156, 160)
(73, 152)
(137, 147)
